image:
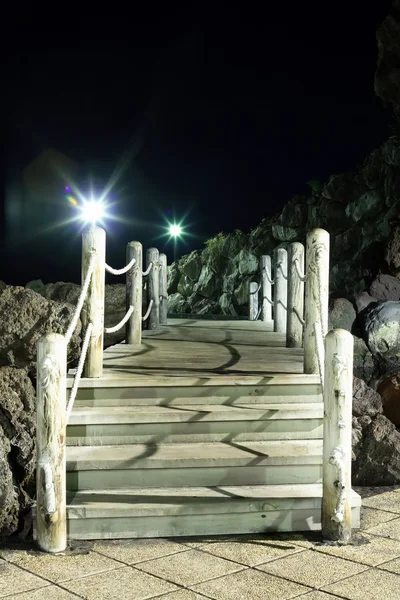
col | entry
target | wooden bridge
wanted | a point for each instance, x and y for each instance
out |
(199, 427)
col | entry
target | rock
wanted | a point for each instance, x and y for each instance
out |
(205, 306)
(363, 300)
(382, 328)
(385, 287)
(177, 304)
(363, 362)
(283, 233)
(392, 251)
(17, 446)
(247, 262)
(365, 400)
(30, 317)
(185, 286)
(241, 294)
(208, 283)
(191, 267)
(346, 278)
(227, 306)
(344, 188)
(389, 389)
(387, 75)
(173, 277)
(376, 450)
(365, 205)
(342, 314)
(36, 285)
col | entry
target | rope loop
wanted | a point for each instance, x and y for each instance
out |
(121, 323)
(120, 271)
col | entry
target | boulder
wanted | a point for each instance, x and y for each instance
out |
(282, 233)
(365, 205)
(363, 300)
(389, 389)
(363, 362)
(247, 262)
(241, 293)
(392, 251)
(191, 267)
(385, 287)
(208, 283)
(173, 277)
(17, 446)
(365, 400)
(30, 317)
(177, 304)
(227, 306)
(342, 314)
(381, 324)
(205, 306)
(185, 286)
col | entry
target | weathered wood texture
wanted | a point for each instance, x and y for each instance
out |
(266, 288)
(280, 290)
(337, 452)
(253, 300)
(295, 312)
(94, 240)
(50, 443)
(163, 289)
(134, 287)
(316, 294)
(153, 288)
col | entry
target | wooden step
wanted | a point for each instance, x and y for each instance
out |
(194, 464)
(160, 512)
(194, 423)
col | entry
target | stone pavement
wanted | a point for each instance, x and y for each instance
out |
(258, 567)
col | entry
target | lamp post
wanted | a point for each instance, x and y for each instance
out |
(175, 232)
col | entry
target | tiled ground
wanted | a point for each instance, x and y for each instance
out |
(261, 567)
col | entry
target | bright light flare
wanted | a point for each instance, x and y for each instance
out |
(175, 230)
(92, 211)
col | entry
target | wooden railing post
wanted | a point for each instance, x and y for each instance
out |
(163, 289)
(316, 294)
(266, 278)
(134, 291)
(338, 394)
(253, 301)
(94, 240)
(280, 296)
(295, 311)
(153, 287)
(51, 523)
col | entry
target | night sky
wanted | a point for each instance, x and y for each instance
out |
(215, 113)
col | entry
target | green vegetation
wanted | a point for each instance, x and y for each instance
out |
(214, 245)
(315, 184)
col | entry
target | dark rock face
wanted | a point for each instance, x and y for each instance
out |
(385, 287)
(392, 251)
(29, 317)
(365, 400)
(389, 389)
(342, 314)
(17, 446)
(387, 76)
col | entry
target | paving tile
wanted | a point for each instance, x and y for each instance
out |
(391, 529)
(135, 551)
(392, 565)
(312, 568)
(372, 584)
(252, 551)
(319, 596)
(250, 585)
(371, 517)
(189, 568)
(51, 592)
(389, 501)
(365, 549)
(126, 583)
(181, 595)
(15, 580)
(62, 567)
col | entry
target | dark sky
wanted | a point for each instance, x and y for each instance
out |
(217, 113)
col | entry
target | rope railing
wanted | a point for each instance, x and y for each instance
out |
(301, 276)
(122, 271)
(82, 297)
(121, 323)
(147, 271)
(266, 271)
(79, 370)
(146, 316)
(280, 266)
(300, 318)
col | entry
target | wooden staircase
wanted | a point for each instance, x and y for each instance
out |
(200, 456)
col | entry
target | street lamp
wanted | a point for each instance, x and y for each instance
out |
(175, 232)
(92, 212)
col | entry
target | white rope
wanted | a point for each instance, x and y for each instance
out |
(268, 300)
(299, 274)
(337, 459)
(147, 270)
(259, 313)
(279, 266)
(296, 312)
(121, 323)
(281, 303)
(120, 271)
(79, 369)
(268, 277)
(318, 256)
(257, 290)
(82, 297)
(148, 310)
(319, 342)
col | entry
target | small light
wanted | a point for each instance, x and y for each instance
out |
(92, 211)
(175, 230)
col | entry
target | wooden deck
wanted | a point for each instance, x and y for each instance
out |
(224, 350)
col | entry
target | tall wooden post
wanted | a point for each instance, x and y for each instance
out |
(94, 240)
(163, 289)
(316, 295)
(51, 523)
(134, 287)
(295, 312)
(280, 299)
(266, 278)
(153, 287)
(338, 394)
(253, 300)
